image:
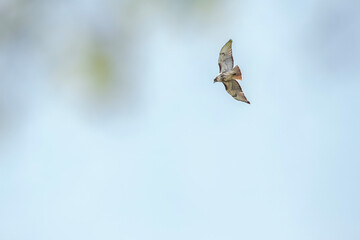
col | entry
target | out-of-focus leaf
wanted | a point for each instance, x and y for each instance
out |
(99, 68)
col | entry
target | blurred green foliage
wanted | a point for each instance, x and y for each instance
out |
(99, 67)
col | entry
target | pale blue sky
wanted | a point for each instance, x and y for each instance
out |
(162, 152)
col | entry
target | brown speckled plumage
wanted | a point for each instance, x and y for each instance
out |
(228, 74)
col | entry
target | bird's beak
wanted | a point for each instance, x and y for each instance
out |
(214, 80)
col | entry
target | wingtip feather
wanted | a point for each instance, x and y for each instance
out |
(228, 43)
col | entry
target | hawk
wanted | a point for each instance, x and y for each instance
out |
(229, 74)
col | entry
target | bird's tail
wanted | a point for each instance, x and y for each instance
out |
(238, 75)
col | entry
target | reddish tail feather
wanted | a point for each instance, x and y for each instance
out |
(238, 75)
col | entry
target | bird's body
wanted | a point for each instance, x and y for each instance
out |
(229, 74)
(226, 76)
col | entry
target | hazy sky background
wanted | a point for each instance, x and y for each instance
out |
(111, 126)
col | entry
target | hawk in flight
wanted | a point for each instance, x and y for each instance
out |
(229, 74)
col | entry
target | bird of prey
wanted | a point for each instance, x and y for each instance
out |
(229, 74)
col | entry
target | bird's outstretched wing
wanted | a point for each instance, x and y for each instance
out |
(234, 89)
(226, 61)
